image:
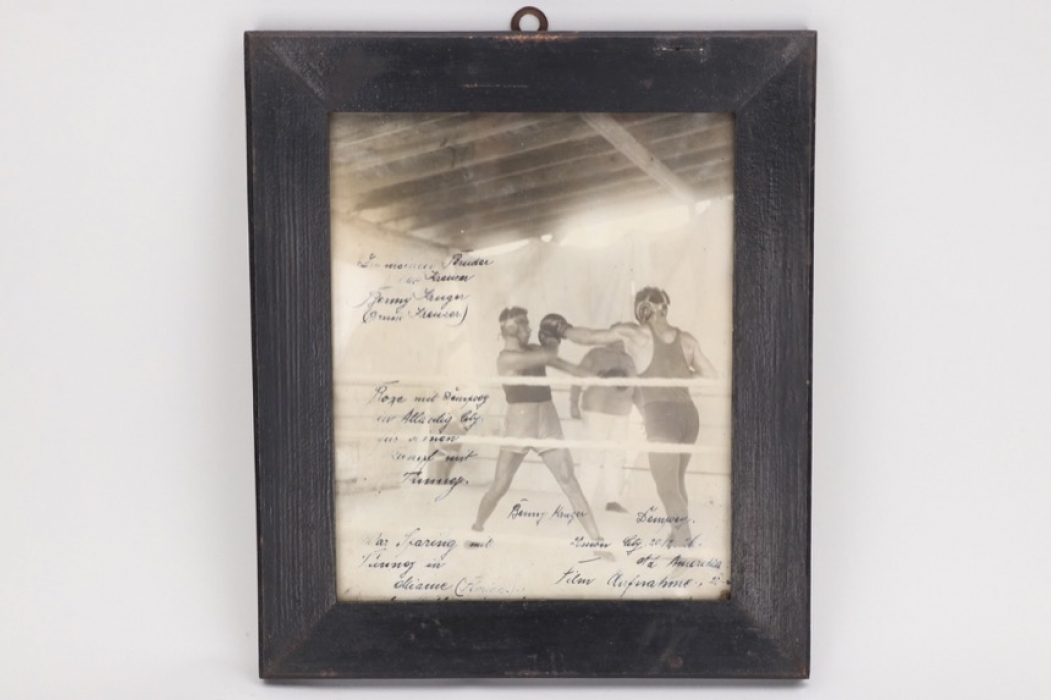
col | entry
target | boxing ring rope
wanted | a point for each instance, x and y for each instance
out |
(516, 380)
(699, 386)
(644, 446)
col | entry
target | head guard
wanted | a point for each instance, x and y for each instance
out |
(650, 301)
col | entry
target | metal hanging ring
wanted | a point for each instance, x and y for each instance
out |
(529, 11)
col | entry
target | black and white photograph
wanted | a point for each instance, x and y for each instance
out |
(532, 332)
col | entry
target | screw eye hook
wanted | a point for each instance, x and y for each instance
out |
(529, 11)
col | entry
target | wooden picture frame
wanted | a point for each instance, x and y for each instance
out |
(766, 80)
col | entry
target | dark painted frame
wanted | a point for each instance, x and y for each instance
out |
(767, 80)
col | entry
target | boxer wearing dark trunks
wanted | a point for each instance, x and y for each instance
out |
(669, 412)
(532, 415)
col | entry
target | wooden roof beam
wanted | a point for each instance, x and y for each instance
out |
(621, 139)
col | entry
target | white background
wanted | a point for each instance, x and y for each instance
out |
(126, 504)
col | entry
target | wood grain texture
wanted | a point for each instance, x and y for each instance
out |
(767, 81)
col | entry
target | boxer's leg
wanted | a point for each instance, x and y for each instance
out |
(613, 464)
(590, 472)
(506, 466)
(667, 471)
(691, 428)
(560, 463)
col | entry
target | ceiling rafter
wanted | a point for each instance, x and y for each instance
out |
(621, 139)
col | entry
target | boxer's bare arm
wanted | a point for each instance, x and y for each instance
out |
(511, 361)
(700, 364)
(625, 332)
(569, 368)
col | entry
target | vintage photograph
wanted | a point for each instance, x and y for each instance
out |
(532, 335)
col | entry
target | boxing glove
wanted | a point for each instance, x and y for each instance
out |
(553, 326)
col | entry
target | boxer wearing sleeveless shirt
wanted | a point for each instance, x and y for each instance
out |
(531, 414)
(669, 413)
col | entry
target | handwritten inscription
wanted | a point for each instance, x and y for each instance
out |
(445, 417)
(388, 394)
(650, 515)
(455, 261)
(477, 587)
(521, 511)
(430, 439)
(416, 559)
(385, 304)
(448, 484)
(574, 578)
(417, 562)
(626, 582)
(422, 291)
(635, 542)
